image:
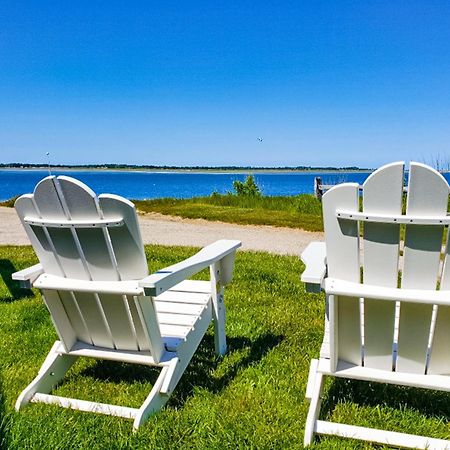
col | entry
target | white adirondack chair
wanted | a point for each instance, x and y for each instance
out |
(94, 279)
(387, 317)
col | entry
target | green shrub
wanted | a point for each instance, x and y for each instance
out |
(247, 187)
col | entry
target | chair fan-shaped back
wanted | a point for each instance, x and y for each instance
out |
(381, 245)
(79, 235)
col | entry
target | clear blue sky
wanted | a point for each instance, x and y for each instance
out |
(196, 83)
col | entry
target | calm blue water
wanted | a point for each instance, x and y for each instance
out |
(141, 185)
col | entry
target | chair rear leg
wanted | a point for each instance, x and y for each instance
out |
(315, 380)
(51, 372)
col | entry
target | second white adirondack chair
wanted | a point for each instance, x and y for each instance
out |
(387, 317)
(94, 280)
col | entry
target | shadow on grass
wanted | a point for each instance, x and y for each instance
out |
(432, 404)
(7, 268)
(200, 372)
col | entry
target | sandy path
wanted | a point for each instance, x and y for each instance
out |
(167, 230)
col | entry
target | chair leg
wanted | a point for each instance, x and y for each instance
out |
(316, 400)
(160, 393)
(220, 340)
(51, 372)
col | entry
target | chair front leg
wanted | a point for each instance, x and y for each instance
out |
(218, 304)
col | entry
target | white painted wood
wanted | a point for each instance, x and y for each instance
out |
(126, 241)
(51, 372)
(390, 438)
(311, 378)
(314, 257)
(180, 331)
(176, 319)
(164, 279)
(69, 223)
(87, 406)
(93, 315)
(38, 236)
(427, 297)
(227, 268)
(80, 205)
(59, 317)
(314, 408)
(418, 295)
(126, 356)
(357, 372)
(348, 329)
(168, 384)
(197, 286)
(92, 270)
(150, 326)
(139, 325)
(118, 318)
(77, 322)
(341, 236)
(130, 287)
(177, 308)
(440, 354)
(331, 311)
(427, 195)
(173, 297)
(51, 205)
(342, 245)
(382, 194)
(153, 403)
(26, 277)
(405, 219)
(218, 307)
(325, 347)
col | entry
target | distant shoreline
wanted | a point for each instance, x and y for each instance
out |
(187, 169)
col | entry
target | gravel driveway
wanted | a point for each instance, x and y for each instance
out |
(168, 230)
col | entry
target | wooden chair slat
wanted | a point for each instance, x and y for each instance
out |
(342, 243)
(38, 236)
(117, 315)
(427, 195)
(382, 192)
(126, 241)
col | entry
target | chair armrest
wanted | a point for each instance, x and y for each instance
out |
(314, 258)
(162, 280)
(26, 277)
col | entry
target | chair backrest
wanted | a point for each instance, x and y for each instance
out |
(78, 235)
(380, 245)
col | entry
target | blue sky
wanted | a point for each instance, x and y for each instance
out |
(196, 83)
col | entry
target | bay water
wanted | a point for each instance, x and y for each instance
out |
(147, 185)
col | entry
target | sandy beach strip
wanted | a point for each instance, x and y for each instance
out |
(168, 230)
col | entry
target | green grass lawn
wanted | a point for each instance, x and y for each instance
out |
(251, 398)
(300, 211)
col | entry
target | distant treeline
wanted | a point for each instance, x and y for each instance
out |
(152, 167)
